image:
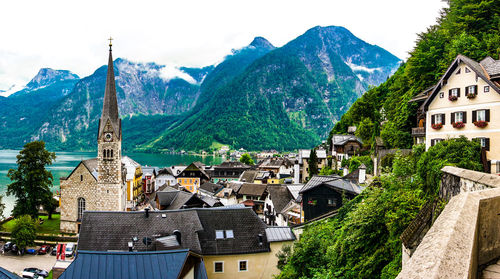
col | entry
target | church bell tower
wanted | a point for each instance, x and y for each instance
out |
(109, 147)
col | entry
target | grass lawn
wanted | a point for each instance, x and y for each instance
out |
(48, 226)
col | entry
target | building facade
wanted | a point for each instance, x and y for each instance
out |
(466, 102)
(97, 184)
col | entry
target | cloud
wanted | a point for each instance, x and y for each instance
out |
(170, 72)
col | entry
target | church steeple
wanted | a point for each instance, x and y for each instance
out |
(110, 114)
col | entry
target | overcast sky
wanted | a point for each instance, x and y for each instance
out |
(71, 35)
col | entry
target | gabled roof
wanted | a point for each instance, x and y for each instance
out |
(275, 162)
(491, 66)
(343, 139)
(251, 189)
(280, 196)
(172, 199)
(90, 164)
(165, 171)
(248, 176)
(422, 96)
(294, 189)
(318, 179)
(150, 170)
(232, 165)
(196, 166)
(132, 265)
(478, 68)
(104, 230)
(211, 187)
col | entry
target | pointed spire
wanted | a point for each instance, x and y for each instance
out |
(110, 103)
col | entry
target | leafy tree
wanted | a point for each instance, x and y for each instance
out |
(284, 255)
(31, 182)
(246, 159)
(50, 206)
(313, 163)
(24, 231)
(459, 152)
(365, 130)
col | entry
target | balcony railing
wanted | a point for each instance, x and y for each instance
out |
(418, 132)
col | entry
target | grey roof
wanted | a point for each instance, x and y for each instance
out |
(252, 189)
(491, 66)
(110, 102)
(275, 234)
(318, 179)
(211, 187)
(280, 196)
(150, 170)
(5, 274)
(232, 165)
(167, 171)
(211, 201)
(248, 176)
(335, 183)
(275, 162)
(172, 199)
(105, 231)
(132, 265)
(343, 139)
(235, 186)
(295, 189)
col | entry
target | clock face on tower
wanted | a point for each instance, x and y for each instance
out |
(108, 136)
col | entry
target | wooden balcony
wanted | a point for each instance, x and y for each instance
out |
(418, 132)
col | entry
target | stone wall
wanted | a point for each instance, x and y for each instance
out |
(456, 180)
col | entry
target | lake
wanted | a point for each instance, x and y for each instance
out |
(67, 161)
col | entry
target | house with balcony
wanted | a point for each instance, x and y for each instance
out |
(418, 133)
(466, 102)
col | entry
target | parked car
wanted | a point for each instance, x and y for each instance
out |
(7, 247)
(44, 250)
(70, 250)
(31, 251)
(33, 272)
(14, 249)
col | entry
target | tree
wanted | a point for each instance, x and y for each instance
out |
(24, 231)
(31, 182)
(50, 206)
(313, 163)
(246, 159)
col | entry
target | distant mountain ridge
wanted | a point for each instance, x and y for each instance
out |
(258, 97)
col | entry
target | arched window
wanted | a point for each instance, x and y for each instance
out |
(81, 208)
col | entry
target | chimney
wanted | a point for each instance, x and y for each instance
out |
(345, 171)
(296, 172)
(177, 234)
(146, 210)
(362, 174)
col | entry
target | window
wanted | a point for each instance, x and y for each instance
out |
(243, 266)
(219, 267)
(467, 70)
(471, 89)
(81, 177)
(458, 72)
(455, 92)
(81, 208)
(441, 94)
(486, 89)
(439, 119)
(435, 141)
(229, 234)
(219, 234)
(481, 115)
(459, 116)
(332, 202)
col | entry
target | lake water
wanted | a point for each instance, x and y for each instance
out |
(67, 161)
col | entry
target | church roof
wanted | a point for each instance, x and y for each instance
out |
(110, 102)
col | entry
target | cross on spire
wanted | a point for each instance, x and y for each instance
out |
(110, 44)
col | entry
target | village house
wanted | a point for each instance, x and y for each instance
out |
(278, 198)
(345, 146)
(192, 177)
(228, 171)
(234, 242)
(324, 194)
(265, 177)
(133, 179)
(281, 167)
(301, 169)
(248, 176)
(210, 189)
(267, 154)
(253, 195)
(169, 198)
(149, 179)
(165, 176)
(99, 183)
(465, 102)
(176, 170)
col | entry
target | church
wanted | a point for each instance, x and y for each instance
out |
(97, 184)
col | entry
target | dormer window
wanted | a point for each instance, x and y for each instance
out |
(219, 234)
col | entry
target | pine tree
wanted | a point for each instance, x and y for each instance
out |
(313, 163)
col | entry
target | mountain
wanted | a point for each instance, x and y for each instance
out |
(288, 98)
(144, 89)
(23, 111)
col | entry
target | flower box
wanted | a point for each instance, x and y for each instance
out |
(437, 126)
(481, 123)
(471, 95)
(458, 125)
(452, 98)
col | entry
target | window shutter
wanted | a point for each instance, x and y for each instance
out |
(433, 119)
(465, 116)
(443, 119)
(458, 92)
(487, 115)
(432, 142)
(466, 90)
(452, 117)
(475, 89)
(474, 116)
(487, 147)
(449, 93)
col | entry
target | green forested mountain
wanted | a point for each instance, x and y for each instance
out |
(363, 240)
(467, 27)
(286, 99)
